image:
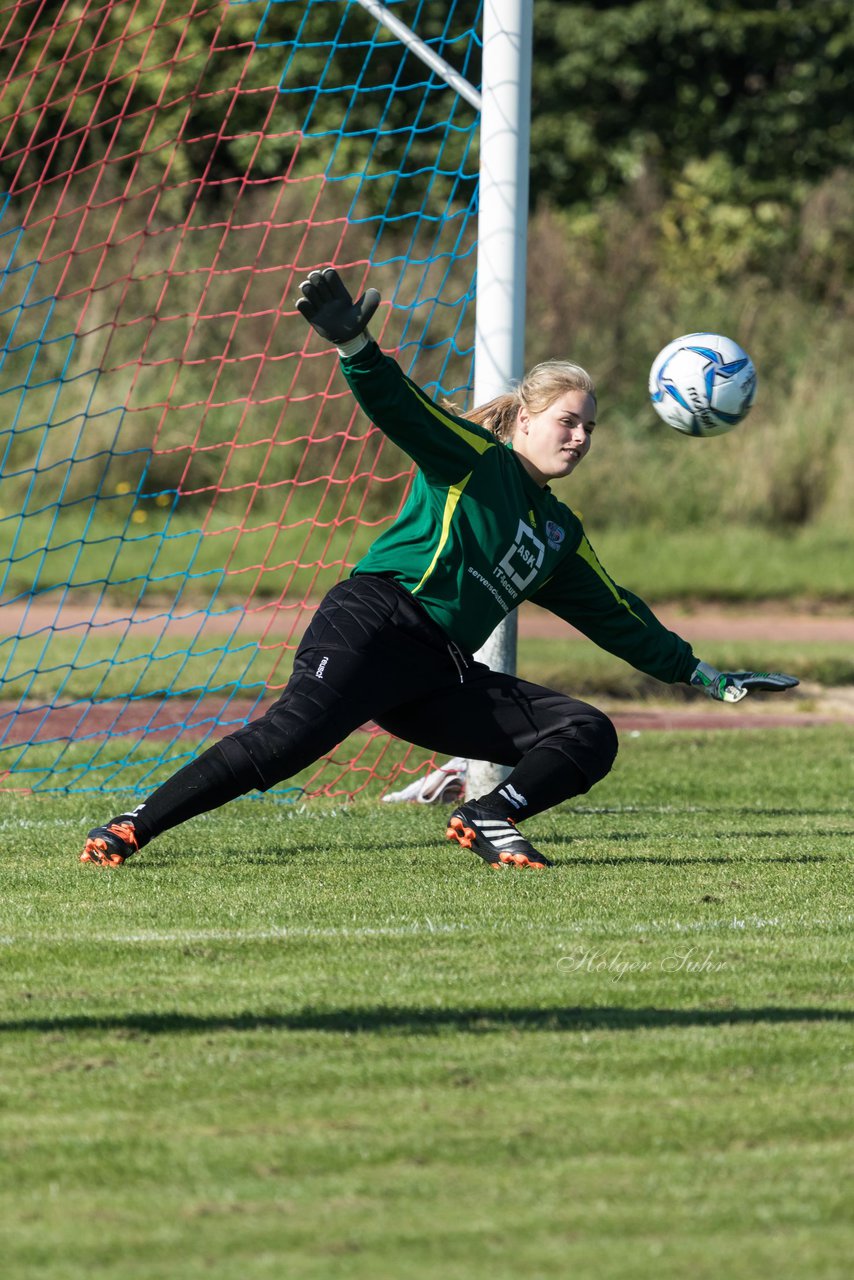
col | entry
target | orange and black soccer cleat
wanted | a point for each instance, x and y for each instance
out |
(110, 846)
(497, 840)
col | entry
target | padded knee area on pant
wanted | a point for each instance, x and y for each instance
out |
(240, 763)
(599, 737)
(589, 741)
(306, 722)
(260, 751)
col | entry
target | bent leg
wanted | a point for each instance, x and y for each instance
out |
(558, 747)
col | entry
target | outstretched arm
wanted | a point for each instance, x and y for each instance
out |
(585, 595)
(445, 446)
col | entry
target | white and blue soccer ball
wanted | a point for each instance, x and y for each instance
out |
(702, 384)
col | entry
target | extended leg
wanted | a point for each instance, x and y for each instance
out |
(366, 648)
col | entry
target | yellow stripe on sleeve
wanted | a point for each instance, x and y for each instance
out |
(588, 555)
(471, 437)
(454, 494)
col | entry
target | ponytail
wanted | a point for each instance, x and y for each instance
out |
(498, 415)
(544, 384)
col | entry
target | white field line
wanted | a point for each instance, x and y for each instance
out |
(157, 937)
(284, 934)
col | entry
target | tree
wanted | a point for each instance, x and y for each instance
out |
(628, 84)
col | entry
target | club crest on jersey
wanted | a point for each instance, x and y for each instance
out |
(554, 535)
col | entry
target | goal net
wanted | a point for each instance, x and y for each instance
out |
(184, 472)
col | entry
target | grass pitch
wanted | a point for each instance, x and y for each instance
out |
(308, 1042)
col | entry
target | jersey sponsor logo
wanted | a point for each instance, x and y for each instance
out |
(321, 668)
(524, 559)
(554, 535)
(491, 589)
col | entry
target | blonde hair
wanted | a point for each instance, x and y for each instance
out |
(544, 384)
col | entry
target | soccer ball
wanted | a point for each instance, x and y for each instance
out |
(702, 384)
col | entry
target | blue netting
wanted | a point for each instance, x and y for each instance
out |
(183, 471)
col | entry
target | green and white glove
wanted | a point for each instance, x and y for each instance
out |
(732, 686)
(330, 310)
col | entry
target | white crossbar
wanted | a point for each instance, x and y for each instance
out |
(423, 51)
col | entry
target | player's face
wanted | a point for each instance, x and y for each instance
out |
(551, 444)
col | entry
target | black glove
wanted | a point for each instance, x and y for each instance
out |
(328, 307)
(732, 686)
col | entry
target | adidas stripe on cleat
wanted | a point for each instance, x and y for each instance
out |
(109, 846)
(497, 840)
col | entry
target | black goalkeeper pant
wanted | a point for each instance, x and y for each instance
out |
(373, 653)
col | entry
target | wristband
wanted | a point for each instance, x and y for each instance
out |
(355, 345)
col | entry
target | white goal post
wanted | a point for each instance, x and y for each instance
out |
(505, 132)
(505, 128)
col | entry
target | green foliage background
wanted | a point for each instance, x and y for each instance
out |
(618, 86)
(692, 167)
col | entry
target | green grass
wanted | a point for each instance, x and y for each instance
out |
(730, 562)
(168, 557)
(105, 664)
(109, 664)
(189, 554)
(578, 667)
(314, 1042)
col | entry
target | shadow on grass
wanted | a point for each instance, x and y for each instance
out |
(413, 1021)
(157, 858)
(160, 856)
(675, 810)
(675, 860)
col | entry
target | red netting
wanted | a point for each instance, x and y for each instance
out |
(185, 471)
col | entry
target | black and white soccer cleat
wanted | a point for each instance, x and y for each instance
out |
(495, 839)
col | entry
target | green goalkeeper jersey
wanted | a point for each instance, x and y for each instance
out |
(477, 535)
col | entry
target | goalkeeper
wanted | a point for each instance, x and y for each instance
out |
(481, 531)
